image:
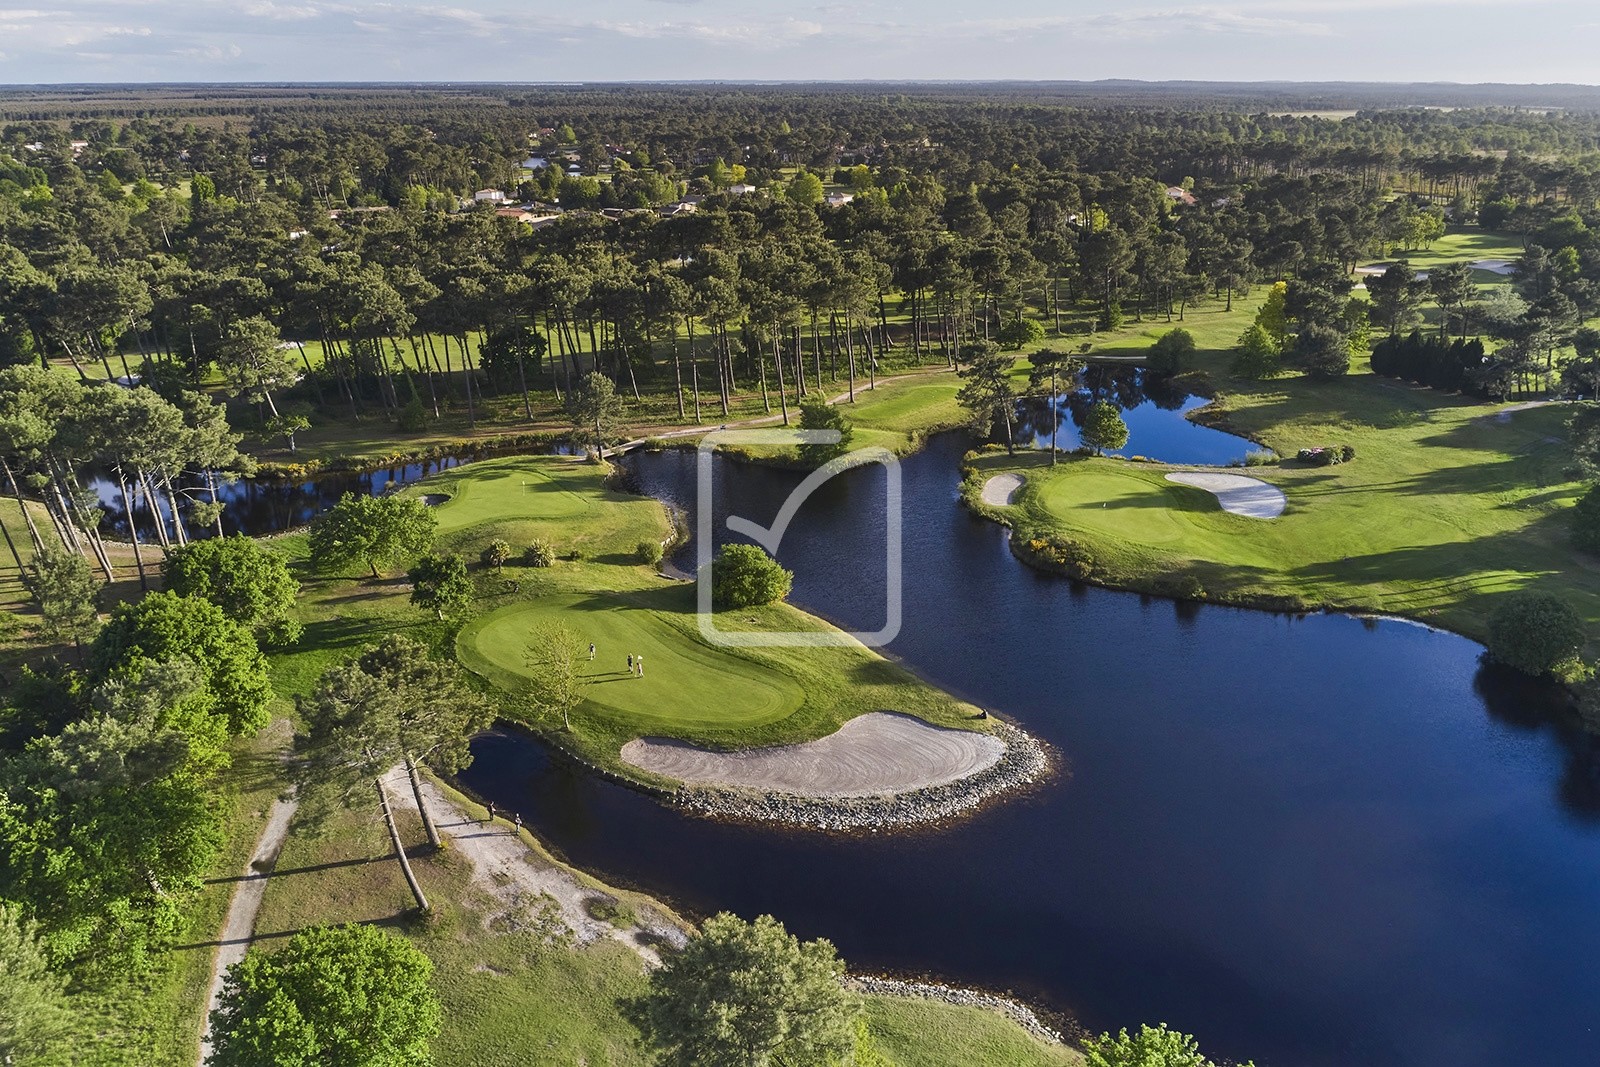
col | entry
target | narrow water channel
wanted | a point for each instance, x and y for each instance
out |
(1312, 841)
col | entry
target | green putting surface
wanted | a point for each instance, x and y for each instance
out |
(1124, 505)
(687, 684)
(512, 490)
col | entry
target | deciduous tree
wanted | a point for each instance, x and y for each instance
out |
(251, 584)
(379, 531)
(749, 995)
(333, 996)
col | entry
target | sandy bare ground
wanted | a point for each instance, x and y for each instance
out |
(240, 925)
(1001, 490)
(1237, 494)
(871, 755)
(505, 866)
(1494, 266)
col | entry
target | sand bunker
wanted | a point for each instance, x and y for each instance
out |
(1001, 489)
(871, 755)
(1236, 493)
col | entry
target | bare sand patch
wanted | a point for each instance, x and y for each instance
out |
(506, 867)
(1237, 494)
(1001, 490)
(871, 755)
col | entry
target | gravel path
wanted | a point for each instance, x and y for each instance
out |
(1237, 494)
(1001, 490)
(240, 924)
(872, 754)
(506, 867)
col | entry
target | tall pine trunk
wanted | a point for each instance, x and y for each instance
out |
(422, 808)
(399, 849)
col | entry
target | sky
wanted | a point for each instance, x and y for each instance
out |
(649, 40)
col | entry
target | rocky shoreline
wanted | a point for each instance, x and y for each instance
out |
(1025, 762)
(1014, 1010)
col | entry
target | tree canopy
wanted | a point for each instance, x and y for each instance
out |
(333, 996)
(379, 531)
(749, 994)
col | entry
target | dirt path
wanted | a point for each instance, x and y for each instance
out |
(509, 869)
(240, 924)
(871, 755)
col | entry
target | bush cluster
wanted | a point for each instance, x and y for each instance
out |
(1536, 633)
(1323, 455)
(539, 554)
(1452, 366)
(1056, 553)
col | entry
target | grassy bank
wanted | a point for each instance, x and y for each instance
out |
(513, 995)
(1445, 509)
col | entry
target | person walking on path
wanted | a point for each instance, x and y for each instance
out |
(491, 811)
(516, 821)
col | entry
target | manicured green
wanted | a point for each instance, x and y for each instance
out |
(687, 684)
(557, 500)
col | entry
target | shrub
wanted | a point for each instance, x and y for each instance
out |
(1260, 457)
(413, 418)
(1180, 587)
(1536, 633)
(1110, 318)
(1020, 332)
(1321, 456)
(1170, 352)
(1323, 351)
(1586, 521)
(649, 552)
(1056, 553)
(1347, 453)
(539, 554)
(744, 576)
(496, 553)
(1256, 355)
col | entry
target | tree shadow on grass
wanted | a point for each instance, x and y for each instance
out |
(348, 633)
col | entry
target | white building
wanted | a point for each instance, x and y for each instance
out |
(838, 199)
(488, 196)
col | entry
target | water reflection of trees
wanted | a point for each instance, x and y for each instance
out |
(1124, 386)
(1530, 705)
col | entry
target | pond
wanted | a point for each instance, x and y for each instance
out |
(1313, 841)
(260, 506)
(1156, 410)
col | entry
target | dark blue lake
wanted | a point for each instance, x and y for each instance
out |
(1155, 410)
(1312, 841)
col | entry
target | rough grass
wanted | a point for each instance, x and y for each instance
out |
(512, 997)
(921, 1033)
